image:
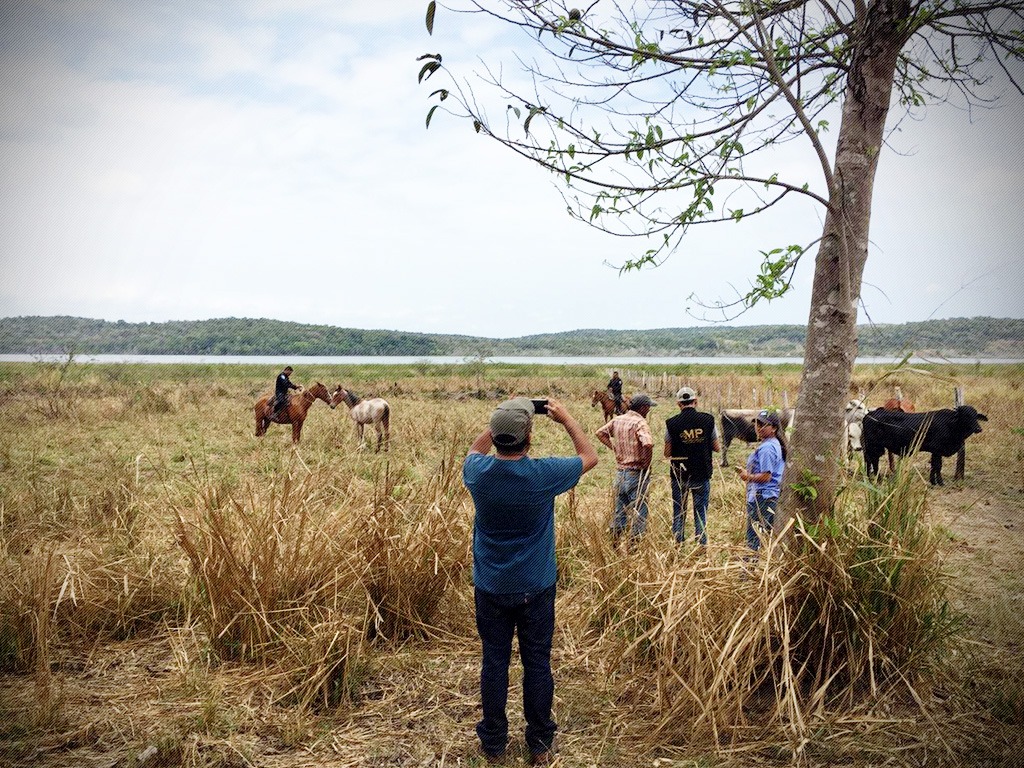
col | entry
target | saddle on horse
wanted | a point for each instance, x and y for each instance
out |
(275, 405)
(616, 398)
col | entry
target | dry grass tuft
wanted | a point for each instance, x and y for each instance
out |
(60, 596)
(415, 547)
(264, 558)
(323, 665)
(720, 647)
(875, 608)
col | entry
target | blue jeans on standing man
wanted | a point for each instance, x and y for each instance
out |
(531, 615)
(631, 493)
(701, 492)
(760, 518)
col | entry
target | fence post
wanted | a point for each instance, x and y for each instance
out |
(961, 457)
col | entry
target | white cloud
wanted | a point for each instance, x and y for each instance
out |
(245, 161)
(224, 52)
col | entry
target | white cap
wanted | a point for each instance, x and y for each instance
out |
(685, 395)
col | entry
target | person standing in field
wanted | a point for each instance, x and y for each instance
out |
(281, 387)
(615, 391)
(763, 476)
(690, 439)
(514, 566)
(630, 438)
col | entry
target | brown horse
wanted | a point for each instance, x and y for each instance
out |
(293, 413)
(607, 404)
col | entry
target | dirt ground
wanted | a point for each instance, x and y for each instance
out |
(986, 557)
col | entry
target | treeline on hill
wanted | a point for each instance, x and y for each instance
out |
(978, 336)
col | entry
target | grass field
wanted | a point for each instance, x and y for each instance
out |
(178, 592)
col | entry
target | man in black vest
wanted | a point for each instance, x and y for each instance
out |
(690, 438)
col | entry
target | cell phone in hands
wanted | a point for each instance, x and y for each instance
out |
(540, 406)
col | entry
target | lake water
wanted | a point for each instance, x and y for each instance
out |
(279, 360)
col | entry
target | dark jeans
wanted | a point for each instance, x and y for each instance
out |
(701, 492)
(498, 617)
(760, 519)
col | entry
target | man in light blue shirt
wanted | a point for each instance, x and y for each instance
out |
(514, 567)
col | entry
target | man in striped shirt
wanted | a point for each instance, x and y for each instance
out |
(630, 438)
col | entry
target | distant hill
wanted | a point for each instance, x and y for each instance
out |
(960, 337)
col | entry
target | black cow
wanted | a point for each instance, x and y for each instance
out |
(944, 434)
(738, 424)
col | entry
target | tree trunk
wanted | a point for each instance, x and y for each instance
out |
(815, 458)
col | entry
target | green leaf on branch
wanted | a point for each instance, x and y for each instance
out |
(431, 9)
(430, 114)
(533, 112)
(773, 280)
(427, 70)
(634, 265)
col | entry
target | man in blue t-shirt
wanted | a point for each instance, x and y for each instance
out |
(514, 565)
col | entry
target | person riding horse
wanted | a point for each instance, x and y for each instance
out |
(281, 387)
(615, 390)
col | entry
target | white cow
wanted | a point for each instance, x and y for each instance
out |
(855, 413)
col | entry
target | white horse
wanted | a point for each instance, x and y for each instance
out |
(374, 411)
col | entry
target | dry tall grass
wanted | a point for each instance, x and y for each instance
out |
(718, 647)
(322, 598)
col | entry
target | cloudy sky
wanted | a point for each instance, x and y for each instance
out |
(169, 161)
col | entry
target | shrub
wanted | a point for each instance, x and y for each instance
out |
(413, 549)
(727, 647)
(262, 562)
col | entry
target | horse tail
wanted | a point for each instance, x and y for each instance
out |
(386, 416)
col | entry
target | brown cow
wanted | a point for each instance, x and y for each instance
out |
(898, 404)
